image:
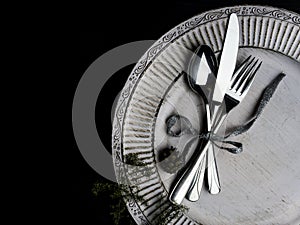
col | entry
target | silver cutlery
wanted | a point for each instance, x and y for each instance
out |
(226, 68)
(239, 87)
(225, 71)
(199, 85)
(240, 84)
(201, 78)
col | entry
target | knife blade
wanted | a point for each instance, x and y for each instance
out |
(225, 71)
(228, 59)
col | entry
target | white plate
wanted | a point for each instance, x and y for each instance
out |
(260, 185)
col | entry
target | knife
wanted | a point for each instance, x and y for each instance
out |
(225, 71)
(227, 66)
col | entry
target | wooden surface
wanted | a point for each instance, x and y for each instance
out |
(260, 185)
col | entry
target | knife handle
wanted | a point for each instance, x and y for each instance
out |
(214, 186)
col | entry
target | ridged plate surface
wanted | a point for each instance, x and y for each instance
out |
(259, 186)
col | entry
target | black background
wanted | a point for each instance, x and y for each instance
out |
(108, 26)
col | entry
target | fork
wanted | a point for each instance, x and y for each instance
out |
(240, 84)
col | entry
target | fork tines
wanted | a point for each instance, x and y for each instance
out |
(244, 76)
